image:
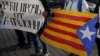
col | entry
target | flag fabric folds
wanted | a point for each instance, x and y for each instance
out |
(71, 31)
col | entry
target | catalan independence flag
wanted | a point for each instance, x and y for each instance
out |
(71, 31)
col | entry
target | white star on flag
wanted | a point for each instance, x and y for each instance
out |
(87, 33)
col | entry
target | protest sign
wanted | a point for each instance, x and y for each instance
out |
(23, 15)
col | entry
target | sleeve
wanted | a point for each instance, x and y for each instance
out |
(63, 4)
(85, 7)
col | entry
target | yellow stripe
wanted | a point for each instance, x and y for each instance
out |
(75, 13)
(63, 46)
(65, 28)
(78, 23)
(63, 36)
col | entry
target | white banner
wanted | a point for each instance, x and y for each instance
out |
(22, 14)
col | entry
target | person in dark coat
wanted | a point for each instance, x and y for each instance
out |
(36, 37)
(21, 38)
(98, 27)
(1, 13)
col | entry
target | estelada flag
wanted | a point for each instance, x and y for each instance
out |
(71, 31)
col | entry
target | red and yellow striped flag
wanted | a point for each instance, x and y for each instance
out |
(61, 31)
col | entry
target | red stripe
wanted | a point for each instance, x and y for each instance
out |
(84, 19)
(66, 24)
(72, 44)
(62, 32)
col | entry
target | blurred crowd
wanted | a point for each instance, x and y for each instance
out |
(87, 6)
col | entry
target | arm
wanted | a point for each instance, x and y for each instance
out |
(85, 6)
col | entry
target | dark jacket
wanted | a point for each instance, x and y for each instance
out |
(97, 7)
(47, 8)
(97, 11)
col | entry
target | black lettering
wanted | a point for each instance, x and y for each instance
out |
(29, 22)
(14, 21)
(5, 3)
(34, 24)
(18, 15)
(30, 8)
(5, 20)
(38, 25)
(23, 7)
(24, 21)
(15, 15)
(13, 6)
(36, 9)
(19, 23)
(11, 22)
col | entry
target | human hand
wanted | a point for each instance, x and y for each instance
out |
(45, 13)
